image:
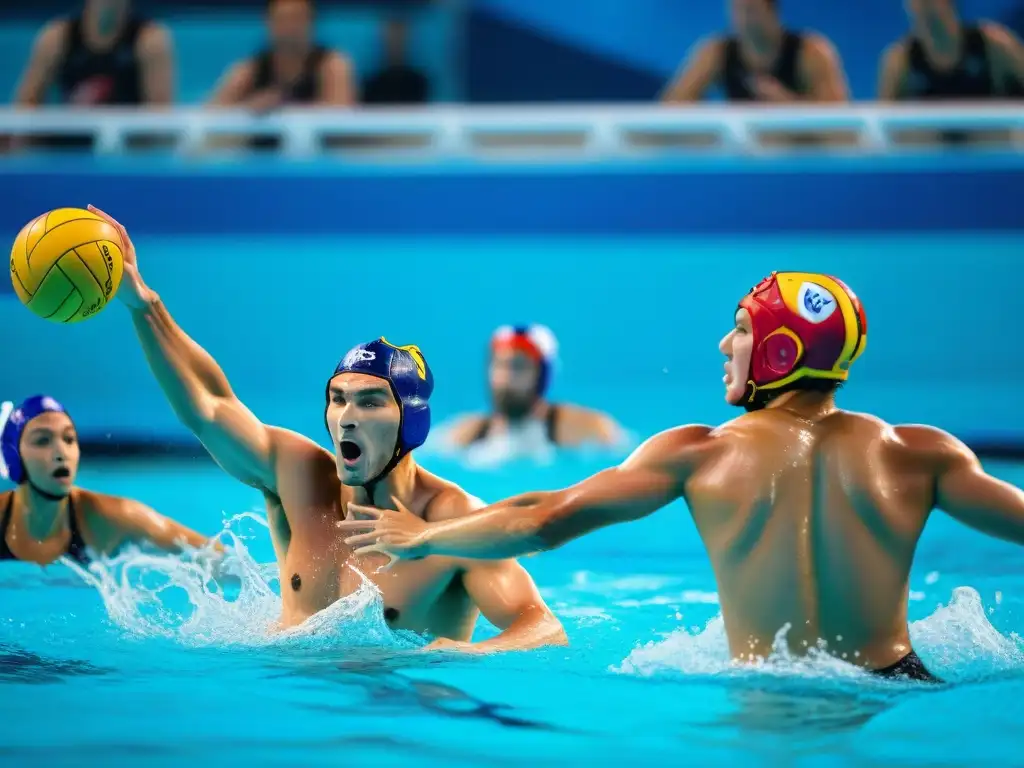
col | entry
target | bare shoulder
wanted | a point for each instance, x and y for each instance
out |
(303, 469)
(102, 504)
(819, 47)
(106, 517)
(997, 34)
(577, 424)
(676, 448)
(445, 499)
(465, 430)
(895, 54)
(931, 442)
(710, 47)
(52, 38)
(294, 448)
(335, 61)
(154, 38)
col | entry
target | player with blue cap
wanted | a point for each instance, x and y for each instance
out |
(377, 413)
(364, 462)
(47, 517)
(521, 367)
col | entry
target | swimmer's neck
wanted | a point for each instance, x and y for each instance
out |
(763, 45)
(806, 405)
(400, 484)
(40, 513)
(100, 26)
(942, 39)
(537, 412)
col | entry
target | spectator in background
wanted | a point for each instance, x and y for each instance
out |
(762, 61)
(943, 58)
(106, 55)
(294, 70)
(397, 82)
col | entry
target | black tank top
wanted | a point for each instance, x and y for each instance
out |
(304, 89)
(550, 427)
(76, 546)
(112, 76)
(786, 69)
(971, 78)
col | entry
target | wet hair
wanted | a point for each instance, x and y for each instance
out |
(822, 386)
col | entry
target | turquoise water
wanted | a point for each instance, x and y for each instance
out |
(145, 662)
(151, 668)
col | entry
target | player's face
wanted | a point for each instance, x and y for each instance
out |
(737, 346)
(751, 15)
(513, 377)
(924, 11)
(290, 22)
(50, 453)
(364, 419)
(107, 6)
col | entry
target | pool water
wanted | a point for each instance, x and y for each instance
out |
(155, 666)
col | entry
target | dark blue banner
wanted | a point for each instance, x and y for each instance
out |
(695, 197)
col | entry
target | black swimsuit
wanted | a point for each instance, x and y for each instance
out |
(550, 427)
(910, 667)
(76, 547)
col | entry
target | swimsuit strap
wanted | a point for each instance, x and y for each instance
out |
(76, 546)
(5, 522)
(551, 424)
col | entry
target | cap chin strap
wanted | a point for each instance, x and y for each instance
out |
(371, 485)
(45, 494)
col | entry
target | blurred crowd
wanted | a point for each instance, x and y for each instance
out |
(107, 53)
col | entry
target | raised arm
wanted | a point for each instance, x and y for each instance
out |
(195, 386)
(652, 477)
(966, 492)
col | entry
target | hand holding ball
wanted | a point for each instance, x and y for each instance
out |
(66, 265)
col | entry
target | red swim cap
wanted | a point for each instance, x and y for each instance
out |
(805, 325)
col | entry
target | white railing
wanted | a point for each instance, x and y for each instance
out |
(586, 132)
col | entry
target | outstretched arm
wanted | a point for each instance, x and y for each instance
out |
(194, 384)
(653, 476)
(966, 492)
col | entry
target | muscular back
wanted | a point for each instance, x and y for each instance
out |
(813, 524)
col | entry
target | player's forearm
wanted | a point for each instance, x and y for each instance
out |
(508, 529)
(187, 374)
(535, 628)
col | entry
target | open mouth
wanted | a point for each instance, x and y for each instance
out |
(350, 452)
(62, 473)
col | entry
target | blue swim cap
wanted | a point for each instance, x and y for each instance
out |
(406, 371)
(12, 425)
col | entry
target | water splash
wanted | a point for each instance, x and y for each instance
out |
(957, 641)
(200, 600)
